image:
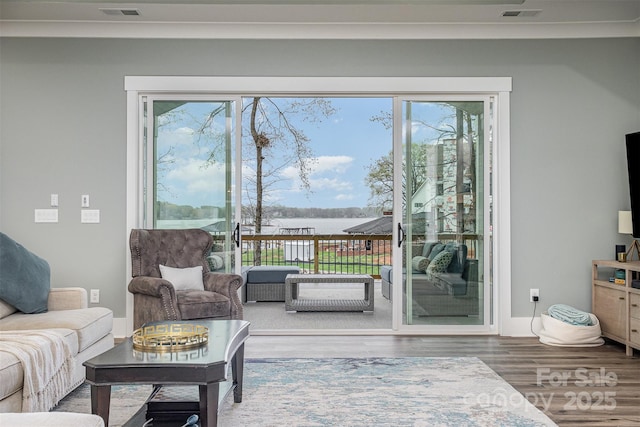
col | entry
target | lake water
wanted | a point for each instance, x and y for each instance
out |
(321, 225)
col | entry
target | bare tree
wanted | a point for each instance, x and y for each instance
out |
(379, 179)
(457, 127)
(276, 135)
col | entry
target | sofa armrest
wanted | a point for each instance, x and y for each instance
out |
(67, 299)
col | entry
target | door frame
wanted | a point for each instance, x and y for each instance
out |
(236, 87)
(489, 294)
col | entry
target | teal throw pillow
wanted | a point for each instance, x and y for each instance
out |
(428, 246)
(419, 263)
(440, 263)
(435, 250)
(25, 278)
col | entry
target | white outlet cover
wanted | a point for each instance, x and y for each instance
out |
(95, 296)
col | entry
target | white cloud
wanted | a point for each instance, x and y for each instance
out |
(337, 164)
(319, 167)
(333, 184)
(327, 173)
(193, 177)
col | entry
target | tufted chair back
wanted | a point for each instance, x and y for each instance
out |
(173, 248)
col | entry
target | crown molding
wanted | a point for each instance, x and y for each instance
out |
(316, 31)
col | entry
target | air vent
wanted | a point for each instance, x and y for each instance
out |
(121, 12)
(521, 13)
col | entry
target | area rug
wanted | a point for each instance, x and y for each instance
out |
(408, 391)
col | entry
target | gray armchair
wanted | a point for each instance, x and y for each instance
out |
(157, 299)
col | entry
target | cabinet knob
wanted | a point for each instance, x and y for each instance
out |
(634, 330)
(634, 305)
(622, 298)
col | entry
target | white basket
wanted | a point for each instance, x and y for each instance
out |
(558, 333)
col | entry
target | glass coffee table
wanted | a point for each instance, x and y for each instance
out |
(205, 366)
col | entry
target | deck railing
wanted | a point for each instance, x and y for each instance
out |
(330, 253)
(319, 253)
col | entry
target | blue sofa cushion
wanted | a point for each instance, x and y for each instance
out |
(428, 246)
(435, 250)
(459, 253)
(386, 273)
(25, 278)
(270, 273)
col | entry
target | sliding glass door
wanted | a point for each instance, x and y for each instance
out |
(445, 215)
(189, 165)
(448, 168)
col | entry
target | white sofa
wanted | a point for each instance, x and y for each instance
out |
(88, 331)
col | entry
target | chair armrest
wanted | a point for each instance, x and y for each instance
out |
(70, 298)
(222, 283)
(152, 286)
(154, 299)
(226, 284)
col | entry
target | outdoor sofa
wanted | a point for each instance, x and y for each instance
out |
(444, 280)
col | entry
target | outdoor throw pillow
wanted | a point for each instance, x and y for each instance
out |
(435, 250)
(215, 262)
(428, 247)
(183, 279)
(419, 263)
(440, 263)
(24, 277)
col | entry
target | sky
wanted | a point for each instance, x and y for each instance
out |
(342, 148)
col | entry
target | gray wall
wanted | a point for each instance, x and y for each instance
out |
(63, 124)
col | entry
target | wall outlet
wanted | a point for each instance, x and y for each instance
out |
(94, 296)
(534, 293)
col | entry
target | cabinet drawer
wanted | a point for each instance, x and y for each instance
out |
(634, 331)
(634, 305)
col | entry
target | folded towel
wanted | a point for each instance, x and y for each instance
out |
(570, 315)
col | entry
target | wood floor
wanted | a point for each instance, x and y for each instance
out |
(574, 386)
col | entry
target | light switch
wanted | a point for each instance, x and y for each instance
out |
(54, 200)
(90, 216)
(46, 215)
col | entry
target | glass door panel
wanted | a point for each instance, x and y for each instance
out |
(443, 212)
(189, 179)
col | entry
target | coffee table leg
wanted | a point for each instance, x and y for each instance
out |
(100, 401)
(237, 368)
(209, 404)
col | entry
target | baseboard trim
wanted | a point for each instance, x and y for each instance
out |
(514, 327)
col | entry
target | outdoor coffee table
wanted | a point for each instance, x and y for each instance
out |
(205, 366)
(293, 302)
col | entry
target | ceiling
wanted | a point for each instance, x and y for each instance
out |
(316, 19)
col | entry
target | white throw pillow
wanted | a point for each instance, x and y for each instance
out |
(183, 279)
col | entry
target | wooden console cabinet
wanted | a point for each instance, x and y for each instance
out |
(617, 306)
